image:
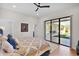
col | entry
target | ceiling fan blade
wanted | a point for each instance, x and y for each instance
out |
(44, 6)
(37, 9)
(36, 4)
(39, 6)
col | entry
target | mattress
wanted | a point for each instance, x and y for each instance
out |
(30, 47)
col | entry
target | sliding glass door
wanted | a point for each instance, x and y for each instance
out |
(59, 31)
(47, 30)
(65, 31)
(55, 30)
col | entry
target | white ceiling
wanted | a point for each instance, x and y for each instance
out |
(29, 8)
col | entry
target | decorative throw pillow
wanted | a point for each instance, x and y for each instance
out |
(12, 42)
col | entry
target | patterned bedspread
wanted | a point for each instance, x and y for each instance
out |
(30, 47)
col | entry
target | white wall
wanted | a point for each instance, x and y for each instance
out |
(17, 27)
(5, 25)
(13, 26)
(75, 23)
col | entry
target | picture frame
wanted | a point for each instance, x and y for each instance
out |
(24, 27)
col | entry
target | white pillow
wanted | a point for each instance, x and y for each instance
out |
(7, 47)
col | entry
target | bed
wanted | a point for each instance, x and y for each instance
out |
(30, 47)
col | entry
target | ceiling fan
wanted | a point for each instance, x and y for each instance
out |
(40, 6)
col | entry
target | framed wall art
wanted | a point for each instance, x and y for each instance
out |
(24, 27)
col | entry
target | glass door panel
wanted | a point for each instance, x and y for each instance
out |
(55, 31)
(47, 32)
(65, 31)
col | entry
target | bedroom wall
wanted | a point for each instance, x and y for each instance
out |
(75, 23)
(17, 26)
(15, 20)
(5, 25)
